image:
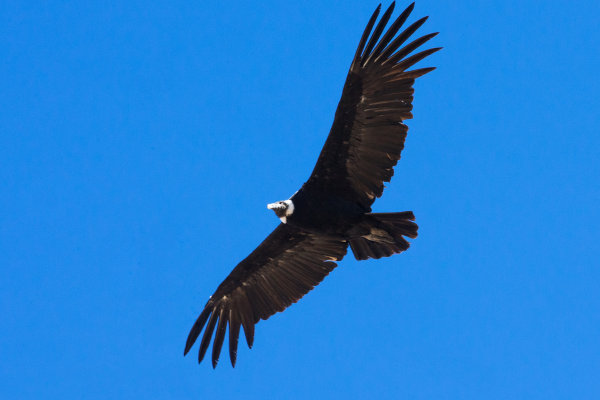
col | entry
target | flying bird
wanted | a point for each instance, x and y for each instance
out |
(332, 210)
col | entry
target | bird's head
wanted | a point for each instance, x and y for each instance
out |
(282, 209)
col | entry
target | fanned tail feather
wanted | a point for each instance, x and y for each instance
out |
(397, 225)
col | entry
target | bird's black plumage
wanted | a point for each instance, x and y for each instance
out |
(333, 208)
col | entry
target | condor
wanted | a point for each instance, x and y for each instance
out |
(332, 210)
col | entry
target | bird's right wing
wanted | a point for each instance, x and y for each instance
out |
(287, 265)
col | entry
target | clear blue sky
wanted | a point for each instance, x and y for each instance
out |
(140, 142)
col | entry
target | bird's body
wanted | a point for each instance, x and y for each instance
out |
(332, 210)
(324, 213)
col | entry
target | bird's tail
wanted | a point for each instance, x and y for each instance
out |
(387, 237)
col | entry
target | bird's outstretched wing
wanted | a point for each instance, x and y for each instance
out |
(367, 135)
(287, 265)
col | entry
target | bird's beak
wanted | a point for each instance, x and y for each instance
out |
(274, 206)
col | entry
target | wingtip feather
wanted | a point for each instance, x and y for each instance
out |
(219, 336)
(234, 334)
(364, 37)
(207, 335)
(366, 56)
(196, 329)
(400, 39)
(391, 32)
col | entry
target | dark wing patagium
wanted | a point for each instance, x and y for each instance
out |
(287, 265)
(367, 135)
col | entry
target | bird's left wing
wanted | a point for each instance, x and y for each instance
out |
(283, 268)
(367, 134)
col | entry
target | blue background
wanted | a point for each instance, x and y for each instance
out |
(140, 142)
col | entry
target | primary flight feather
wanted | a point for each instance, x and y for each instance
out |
(332, 210)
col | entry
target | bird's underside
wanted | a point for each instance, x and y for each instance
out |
(332, 210)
